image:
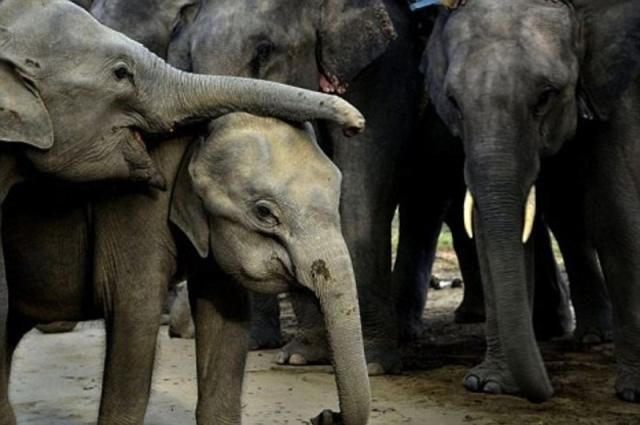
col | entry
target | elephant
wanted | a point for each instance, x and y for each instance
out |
(312, 45)
(233, 227)
(544, 97)
(433, 193)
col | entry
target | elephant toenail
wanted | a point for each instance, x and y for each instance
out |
(492, 387)
(472, 383)
(628, 395)
(297, 360)
(282, 358)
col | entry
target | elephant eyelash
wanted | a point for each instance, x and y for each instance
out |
(266, 215)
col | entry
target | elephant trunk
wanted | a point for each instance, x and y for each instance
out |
(330, 276)
(189, 97)
(500, 210)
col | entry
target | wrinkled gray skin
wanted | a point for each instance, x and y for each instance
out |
(314, 44)
(504, 77)
(255, 207)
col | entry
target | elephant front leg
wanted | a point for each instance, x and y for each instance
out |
(265, 322)
(221, 315)
(132, 329)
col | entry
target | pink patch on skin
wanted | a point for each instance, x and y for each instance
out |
(331, 85)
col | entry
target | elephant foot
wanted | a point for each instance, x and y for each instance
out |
(491, 377)
(327, 417)
(595, 331)
(265, 335)
(383, 358)
(307, 347)
(56, 327)
(628, 385)
(468, 312)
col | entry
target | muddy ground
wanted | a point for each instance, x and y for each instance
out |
(56, 380)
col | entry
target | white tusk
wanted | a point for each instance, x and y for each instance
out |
(529, 215)
(468, 214)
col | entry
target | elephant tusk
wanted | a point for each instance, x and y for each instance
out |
(529, 214)
(468, 214)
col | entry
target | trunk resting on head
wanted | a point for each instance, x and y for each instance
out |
(193, 97)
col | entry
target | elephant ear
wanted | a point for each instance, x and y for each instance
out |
(23, 115)
(434, 65)
(611, 31)
(353, 33)
(187, 210)
(85, 4)
(179, 52)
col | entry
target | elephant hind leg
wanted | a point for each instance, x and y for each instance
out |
(16, 329)
(265, 322)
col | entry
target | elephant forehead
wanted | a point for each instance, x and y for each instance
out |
(537, 24)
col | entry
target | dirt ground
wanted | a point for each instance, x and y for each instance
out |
(56, 380)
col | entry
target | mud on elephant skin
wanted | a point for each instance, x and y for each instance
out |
(534, 93)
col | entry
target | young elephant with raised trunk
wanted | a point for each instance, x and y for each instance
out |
(255, 207)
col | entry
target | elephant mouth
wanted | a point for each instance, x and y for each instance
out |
(138, 137)
(331, 84)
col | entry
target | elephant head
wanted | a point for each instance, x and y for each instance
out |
(513, 80)
(150, 22)
(261, 198)
(81, 95)
(313, 44)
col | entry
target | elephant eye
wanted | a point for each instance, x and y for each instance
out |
(262, 52)
(266, 215)
(545, 99)
(121, 72)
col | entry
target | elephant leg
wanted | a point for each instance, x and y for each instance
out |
(309, 345)
(132, 319)
(221, 314)
(493, 375)
(565, 215)
(7, 416)
(420, 226)
(551, 306)
(17, 328)
(613, 200)
(265, 322)
(471, 309)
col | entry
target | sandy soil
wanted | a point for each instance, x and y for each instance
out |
(56, 381)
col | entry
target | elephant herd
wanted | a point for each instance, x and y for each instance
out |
(146, 148)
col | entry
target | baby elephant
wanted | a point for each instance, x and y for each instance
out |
(254, 206)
